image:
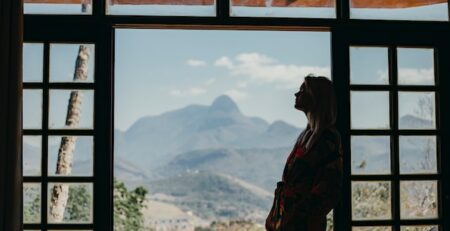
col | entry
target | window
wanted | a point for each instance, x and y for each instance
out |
(395, 164)
(205, 120)
(58, 141)
(388, 64)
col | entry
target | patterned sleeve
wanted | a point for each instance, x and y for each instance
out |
(325, 192)
(303, 168)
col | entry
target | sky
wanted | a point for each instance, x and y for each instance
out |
(260, 71)
(162, 70)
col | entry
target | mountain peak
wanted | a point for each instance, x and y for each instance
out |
(224, 103)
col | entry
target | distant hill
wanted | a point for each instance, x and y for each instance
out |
(261, 166)
(213, 196)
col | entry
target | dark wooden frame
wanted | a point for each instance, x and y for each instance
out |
(99, 28)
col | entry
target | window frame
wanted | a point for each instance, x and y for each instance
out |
(99, 29)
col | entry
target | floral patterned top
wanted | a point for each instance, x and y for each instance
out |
(311, 185)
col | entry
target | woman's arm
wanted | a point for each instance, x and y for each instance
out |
(325, 192)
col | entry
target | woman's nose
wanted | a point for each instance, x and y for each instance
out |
(296, 94)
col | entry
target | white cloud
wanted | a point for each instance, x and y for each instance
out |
(236, 94)
(383, 76)
(210, 81)
(193, 91)
(263, 69)
(242, 84)
(224, 62)
(415, 76)
(195, 63)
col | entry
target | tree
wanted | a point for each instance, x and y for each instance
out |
(79, 204)
(60, 192)
(128, 207)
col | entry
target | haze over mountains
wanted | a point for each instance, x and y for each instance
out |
(154, 141)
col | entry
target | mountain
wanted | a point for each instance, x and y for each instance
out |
(212, 196)
(413, 122)
(251, 165)
(153, 141)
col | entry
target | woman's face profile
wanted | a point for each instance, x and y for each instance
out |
(302, 99)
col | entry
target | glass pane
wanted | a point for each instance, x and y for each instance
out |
(70, 155)
(162, 7)
(371, 155)
(416, 110)
(32, 149)
(71, 109)
(372, 228)
(369, 65)
(33, 56)
(427, 10)
(418, 154)
(72, 62)
(420, 228)
(197, 136)
(285, 9)
(57, 7)
(369, 110)
(418, 199)
(31, 203)
(371, 200)
(70, 203)
(415, 66)
(32, 109)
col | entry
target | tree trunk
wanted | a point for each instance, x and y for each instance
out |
(60, 192)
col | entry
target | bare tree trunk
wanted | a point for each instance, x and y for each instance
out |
(60, 192)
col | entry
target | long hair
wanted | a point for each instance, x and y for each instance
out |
(322, 115)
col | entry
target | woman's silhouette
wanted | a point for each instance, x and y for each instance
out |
(312, 177)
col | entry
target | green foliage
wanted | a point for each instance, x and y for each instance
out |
(32, 204)
(128, 207)
(79, 204)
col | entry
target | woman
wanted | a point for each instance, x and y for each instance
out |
(312, 177)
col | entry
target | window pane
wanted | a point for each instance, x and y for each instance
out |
(371, 155)
(32, 149)
(57, 7)
(162, 7)
(31, 203)
(286, 9)
(427, 10)
(372, 228)
(415, 66)
(371, 200)
(70, 203)
(416, 110)
(75, 154)
(369, 110)
(197, 136)
(32, 109)
(369, 65)
(418, 199)
(71, 109)
(420, 228)
(72, 62)
(33, 55)
(418, 154)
